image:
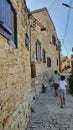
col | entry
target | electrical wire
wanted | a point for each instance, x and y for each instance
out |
(52, 10)
(68, 16)
(55, 7)
(53, 4)
(67, 23)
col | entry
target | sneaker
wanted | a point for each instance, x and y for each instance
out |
(56, 94)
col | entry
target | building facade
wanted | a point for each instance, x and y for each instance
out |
(15, 72)
(66, 63)
(28, 58)
(45, 46)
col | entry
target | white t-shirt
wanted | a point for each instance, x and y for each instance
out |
(62, 85)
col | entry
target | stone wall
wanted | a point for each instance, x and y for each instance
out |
(15, 76)
(17, 88)
(43, 16)
(44, 73)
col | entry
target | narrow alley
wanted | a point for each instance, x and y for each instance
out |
(48, 115)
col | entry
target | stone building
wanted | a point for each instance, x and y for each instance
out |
(28, 58)
(50, 40)
(15, 72)
(45, 48)
(66, 63)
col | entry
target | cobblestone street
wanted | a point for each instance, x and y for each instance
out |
(48, 115)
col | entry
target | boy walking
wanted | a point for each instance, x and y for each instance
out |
(62, 90)
(56, 79)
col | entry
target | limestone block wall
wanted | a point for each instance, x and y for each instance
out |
(43, 16)
(36, 82)
(43, 73)
(15, 76)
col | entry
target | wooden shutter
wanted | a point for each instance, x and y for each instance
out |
(48, 62)
(44, 56)
(33, 70)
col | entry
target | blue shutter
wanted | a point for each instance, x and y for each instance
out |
(5, 18)
(7, 14)
(1, 11)
(5, 21)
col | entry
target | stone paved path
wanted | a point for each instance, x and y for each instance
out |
(48, 115)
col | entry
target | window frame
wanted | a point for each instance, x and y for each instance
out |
(57, 62)
(44, 56)
(33, 70)
(48, 62)
(27, 41)
(5, 24)
(38, 51)
(56, 47)
(53, 40)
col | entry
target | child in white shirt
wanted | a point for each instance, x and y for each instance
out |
(62, 90)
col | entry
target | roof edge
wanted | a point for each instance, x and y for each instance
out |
(39, 10)
(43, 9)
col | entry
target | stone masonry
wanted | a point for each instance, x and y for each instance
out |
(43, 73)
(48, 115)
(46, 41)
(17, 88)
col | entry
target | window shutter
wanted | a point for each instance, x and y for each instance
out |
(47, 61)
(1, 5)
(26, 40)
(44, 56)
(8, 23)
(5, 18)
(33, 70)
(7, 14)
(36, 50)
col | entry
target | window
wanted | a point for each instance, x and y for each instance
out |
(48, 62)
(33, 70)
(57, 62)
(38, 51)
(26, 41)
(8, 22)
(44, 56)
(53, 40)
(56, 47)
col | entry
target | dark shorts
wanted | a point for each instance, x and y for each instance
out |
(56, 86)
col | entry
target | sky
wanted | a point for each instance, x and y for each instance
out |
(62, 18)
